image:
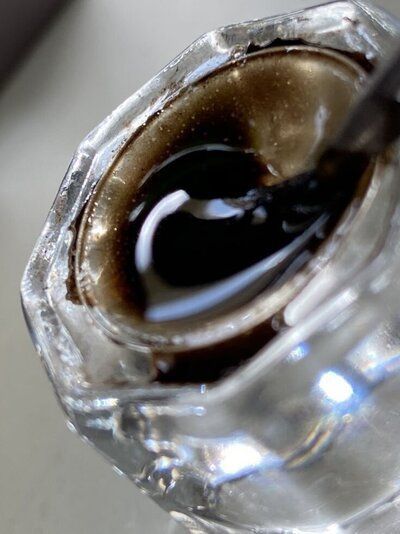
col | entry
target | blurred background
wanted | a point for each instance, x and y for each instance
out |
(63, 67)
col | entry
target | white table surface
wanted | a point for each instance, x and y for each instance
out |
(95, 54)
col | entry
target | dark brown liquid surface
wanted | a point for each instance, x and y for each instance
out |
(206, 233)
(201, 214)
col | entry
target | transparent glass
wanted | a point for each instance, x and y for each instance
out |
(303, 438)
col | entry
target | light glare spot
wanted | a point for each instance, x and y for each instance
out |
(299, 352)
(239, 457)
(335, 387)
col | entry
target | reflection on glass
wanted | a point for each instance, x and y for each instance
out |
(335, 387)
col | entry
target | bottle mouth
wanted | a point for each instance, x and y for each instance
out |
(310, 422)
(282, 103)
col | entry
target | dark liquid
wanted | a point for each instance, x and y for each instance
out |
(207, 235)
(187, 227)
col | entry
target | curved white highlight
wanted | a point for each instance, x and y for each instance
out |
(211, 295)
(168, 205)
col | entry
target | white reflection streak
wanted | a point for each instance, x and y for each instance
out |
(335, 387)
(165, 207)
(216, 208)
(214, 294)
(319, 123)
